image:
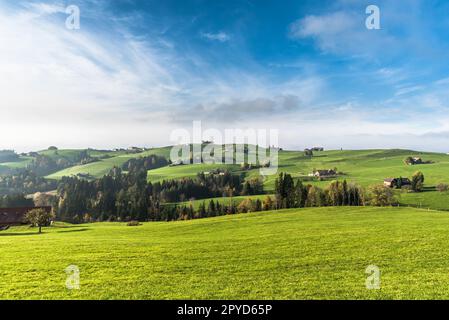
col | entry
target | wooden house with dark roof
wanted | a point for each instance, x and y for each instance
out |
(16, 216)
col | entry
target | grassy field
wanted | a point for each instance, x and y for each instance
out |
(102, 167)
(224, 200)
(20, 164)
(184, 171)
(293, 254)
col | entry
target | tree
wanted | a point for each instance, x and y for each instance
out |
(409, 161)
(417, 181)
(381, 196)
(39, 218)
(268, 204)
(285, 191)
(245, 206)
(315, 197)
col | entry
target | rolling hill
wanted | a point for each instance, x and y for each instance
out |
(103, 166)
(364, 167)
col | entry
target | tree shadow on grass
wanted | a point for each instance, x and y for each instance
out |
(35, 233)
(72, 230)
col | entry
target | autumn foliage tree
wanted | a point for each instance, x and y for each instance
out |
(39, 218)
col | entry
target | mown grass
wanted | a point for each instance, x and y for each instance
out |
(319, 253)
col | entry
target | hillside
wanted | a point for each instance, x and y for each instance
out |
(364, 167)
(317, 253)
(103, 166)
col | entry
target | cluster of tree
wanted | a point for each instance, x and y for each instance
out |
(145, 163)
(124, 197)
(25, 181)
(8, 156)
(83, 158)
(289, 195)
(206, 185)
(43, 164)
(297, 195)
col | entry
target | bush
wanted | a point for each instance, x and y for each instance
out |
(442, 187)
(417, 181)
(381, 196)
(246, 206)
(133, 223)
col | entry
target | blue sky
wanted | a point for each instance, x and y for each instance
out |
(136, 70)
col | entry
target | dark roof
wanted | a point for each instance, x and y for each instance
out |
(325, 172)
(14, 216)
(403, 180)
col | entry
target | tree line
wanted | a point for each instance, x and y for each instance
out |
(128, 196)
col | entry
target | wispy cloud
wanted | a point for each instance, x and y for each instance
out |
(129, 79)
(220, 36)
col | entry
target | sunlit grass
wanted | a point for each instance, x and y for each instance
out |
(292, 254)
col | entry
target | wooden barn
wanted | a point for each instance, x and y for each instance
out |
(16, 216)
(396, 182)
(323, 173)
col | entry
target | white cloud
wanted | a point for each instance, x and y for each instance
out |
(343, 32)
(220, 36)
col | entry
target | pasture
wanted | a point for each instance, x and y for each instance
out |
(319, 253)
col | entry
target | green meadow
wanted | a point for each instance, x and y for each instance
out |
(224, 200)
(105, 164)
(319, 253)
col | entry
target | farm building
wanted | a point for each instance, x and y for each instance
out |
(16, 216)
(396, 182)
(413, 160)
(323, 173)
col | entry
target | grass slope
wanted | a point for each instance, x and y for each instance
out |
(292, 254)
(102, 167)
(184, 171)
(20, 164)
(224, 200)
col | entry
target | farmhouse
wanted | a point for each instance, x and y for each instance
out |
(396, 182)
(16, 216)
(413, 160)
(323, 173)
